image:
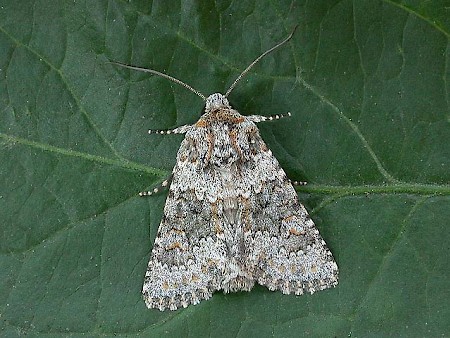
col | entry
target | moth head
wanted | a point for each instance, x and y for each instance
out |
(215, 101)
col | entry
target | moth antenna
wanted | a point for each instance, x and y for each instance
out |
(155, 72)
(257, 59)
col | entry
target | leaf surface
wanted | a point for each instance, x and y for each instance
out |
(367, 85)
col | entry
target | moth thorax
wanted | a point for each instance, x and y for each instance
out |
(215, 101)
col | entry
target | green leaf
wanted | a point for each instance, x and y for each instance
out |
(367, 85)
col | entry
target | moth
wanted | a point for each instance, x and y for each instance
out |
(232, 217)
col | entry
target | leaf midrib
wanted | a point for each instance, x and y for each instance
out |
(398, 187)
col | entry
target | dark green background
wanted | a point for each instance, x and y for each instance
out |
(367, 85)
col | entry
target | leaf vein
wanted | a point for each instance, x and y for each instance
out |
(94, 158)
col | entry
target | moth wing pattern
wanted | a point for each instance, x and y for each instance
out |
(287, 250)
(232, 218)
(185, 263)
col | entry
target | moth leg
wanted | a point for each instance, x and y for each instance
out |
(180, 130)
(164, 184)
(298, 183)
(260, 118)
